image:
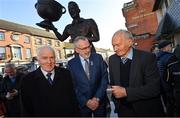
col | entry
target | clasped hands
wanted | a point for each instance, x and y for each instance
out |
(93, 103)
(118, 91)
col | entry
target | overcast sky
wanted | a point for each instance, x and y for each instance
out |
(106, 13)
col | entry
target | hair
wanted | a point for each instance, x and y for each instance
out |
(10, 65)
(76, 40)
(125, 32)
(73, 3)
(44, 47)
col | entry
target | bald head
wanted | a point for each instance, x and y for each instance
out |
(43, 48)
(125, 33)
(122, 42)
(46, 58)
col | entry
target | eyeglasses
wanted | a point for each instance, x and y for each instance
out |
(85, 47)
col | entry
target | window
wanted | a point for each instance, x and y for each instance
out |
(38, 41)
(28, 53)
(49, 42)
(57, 43)
(2, 37)
(26, 39)
(2, 53)
(15, 37)
(17, 53)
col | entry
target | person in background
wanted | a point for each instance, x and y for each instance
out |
(11, 91)
(79, 27)
(90, 77)
(48, 91)
(174, 79)
(2, 107)
(164, 54)
(134, 79)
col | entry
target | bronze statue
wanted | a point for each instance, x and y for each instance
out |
(78, 27)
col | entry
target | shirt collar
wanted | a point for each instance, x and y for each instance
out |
(82, 59)
(45, 73)
(130, 54)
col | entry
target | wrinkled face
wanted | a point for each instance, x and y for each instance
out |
(83, 48)
(46, 60)
(73, 10)
(10, 72)
(121, 44)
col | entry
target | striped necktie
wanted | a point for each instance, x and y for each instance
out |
(124, 60)
(49, 78)
(87, 68)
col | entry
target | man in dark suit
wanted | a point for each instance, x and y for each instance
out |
(134, 78)
(48, 91)
(90, 78)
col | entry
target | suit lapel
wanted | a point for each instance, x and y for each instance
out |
(39, 73)
(134, 66)
(80, 66)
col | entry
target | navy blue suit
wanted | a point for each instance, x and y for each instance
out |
(88, 88)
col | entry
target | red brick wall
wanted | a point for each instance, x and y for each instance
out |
(145, 20)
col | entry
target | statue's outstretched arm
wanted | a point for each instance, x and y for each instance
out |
(58, 35)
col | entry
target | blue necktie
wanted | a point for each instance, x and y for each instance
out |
(49, 78)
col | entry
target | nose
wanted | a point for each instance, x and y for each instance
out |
(49, 60)
(115, 48)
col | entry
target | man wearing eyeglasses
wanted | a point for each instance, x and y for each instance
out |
(90, 76)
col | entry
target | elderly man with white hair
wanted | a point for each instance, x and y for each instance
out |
(48, 91)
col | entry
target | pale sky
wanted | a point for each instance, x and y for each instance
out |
(106, 13)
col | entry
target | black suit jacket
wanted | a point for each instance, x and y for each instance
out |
(144, 83)
(40, 98)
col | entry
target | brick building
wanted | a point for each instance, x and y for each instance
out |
(142, 22)
(19, 43)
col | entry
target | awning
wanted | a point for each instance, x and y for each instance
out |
(170, 23)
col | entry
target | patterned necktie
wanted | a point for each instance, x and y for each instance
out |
(124, 60)
(87, 68)
(49, 78)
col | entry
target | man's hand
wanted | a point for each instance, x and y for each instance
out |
(93, 103)
(119, 92)
(10, 95)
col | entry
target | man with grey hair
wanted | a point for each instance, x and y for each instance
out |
(90, 78)
(10, 90)
(134, 78)
(48, 91)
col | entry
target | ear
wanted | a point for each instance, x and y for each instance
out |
(131, 41)
(76, 50)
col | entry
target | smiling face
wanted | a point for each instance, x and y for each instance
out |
(46, 59)
(83, 48)
(121, 44)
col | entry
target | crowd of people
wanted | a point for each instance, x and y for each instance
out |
(142, 83)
